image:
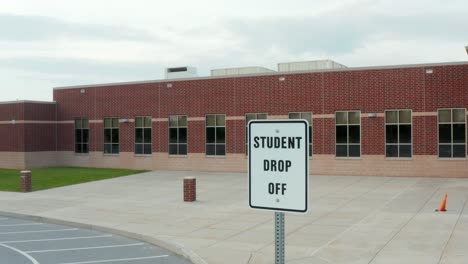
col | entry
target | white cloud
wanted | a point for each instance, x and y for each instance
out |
(394, 52)
(56, 43)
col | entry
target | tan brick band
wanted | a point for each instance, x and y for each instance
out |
(228, 118)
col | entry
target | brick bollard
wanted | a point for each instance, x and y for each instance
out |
(26, 181)
(190, 189)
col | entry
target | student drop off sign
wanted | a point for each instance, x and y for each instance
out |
(278, 165)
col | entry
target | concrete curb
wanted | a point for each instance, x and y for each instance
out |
(172, 246)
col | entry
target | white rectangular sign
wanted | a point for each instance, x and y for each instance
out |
(279, 165)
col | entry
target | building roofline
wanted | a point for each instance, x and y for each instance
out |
(230, 68)
(309, 61)
(386, 67)
(28, 101)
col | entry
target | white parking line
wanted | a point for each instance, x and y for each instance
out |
(84, 248)
(23, 224)
(38, 231)
(52, 239)
(116, 260)
(33, 260)
(2, 218)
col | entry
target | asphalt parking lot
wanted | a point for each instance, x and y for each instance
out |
(26, 242)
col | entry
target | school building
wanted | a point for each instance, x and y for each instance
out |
(405, 120)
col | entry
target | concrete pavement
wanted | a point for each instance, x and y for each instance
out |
(351, 219)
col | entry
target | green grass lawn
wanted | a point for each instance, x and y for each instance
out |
(46, 178)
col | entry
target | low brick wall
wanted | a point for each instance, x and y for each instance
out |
(26, 183)
(190, 189)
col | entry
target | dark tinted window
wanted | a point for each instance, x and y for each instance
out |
(81, 135)
(354, 150)
(143, 135)
(111, 135)
(341, 134)
(459, 151)
(178, 135)
(391, 151)
(452, 133)
(405, 151)
(445, 133)
(405, 133)
(354, 134)
(445, 151)
(215, 138)
(391, 134)
(398, 135)
(459, 133)
(341, 150)
(210, 135)
(348, 134)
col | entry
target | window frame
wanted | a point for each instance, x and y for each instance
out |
(225, 139)
(111, 129)
(81, 141)
(247, 129)
(398, 135)
(451, 130)
(311, 130)
(143, 136)
(169, 136)
(347, 135)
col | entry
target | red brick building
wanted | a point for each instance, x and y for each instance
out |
(392, 121)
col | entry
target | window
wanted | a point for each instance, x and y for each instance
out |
(143, 135)
(249, 117)
(398, 136)
(215, 135)
(307, 116)
(81, 135)
(452, 133)
(177, 135)
(111, 135)
(348, 134)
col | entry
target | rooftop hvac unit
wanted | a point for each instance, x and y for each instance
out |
(309, 65)
(180, 72)
(239, 71)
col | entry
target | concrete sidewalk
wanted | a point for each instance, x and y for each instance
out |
(351, 219)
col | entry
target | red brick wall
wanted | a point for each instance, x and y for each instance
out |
(13, 111)
(370, 91)
(127, 135)
(235, 133)
(34, 130)
(328, 138)
(446, 87)
(196, 137)
(431, 135)
(39, 137)
(39, 111)
(12, 137)
(372, 136)
(420, 143)
(72, 104)
(65, 137)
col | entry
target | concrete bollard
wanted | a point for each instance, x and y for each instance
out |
(26, 181)
(190, 189)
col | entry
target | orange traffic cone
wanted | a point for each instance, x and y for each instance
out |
(443, 204)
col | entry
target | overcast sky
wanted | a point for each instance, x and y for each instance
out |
(47, 43)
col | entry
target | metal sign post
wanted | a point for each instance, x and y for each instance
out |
(279, 171)
(279, 238)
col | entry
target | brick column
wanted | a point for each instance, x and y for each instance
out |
(26, 181)
(190, 189)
